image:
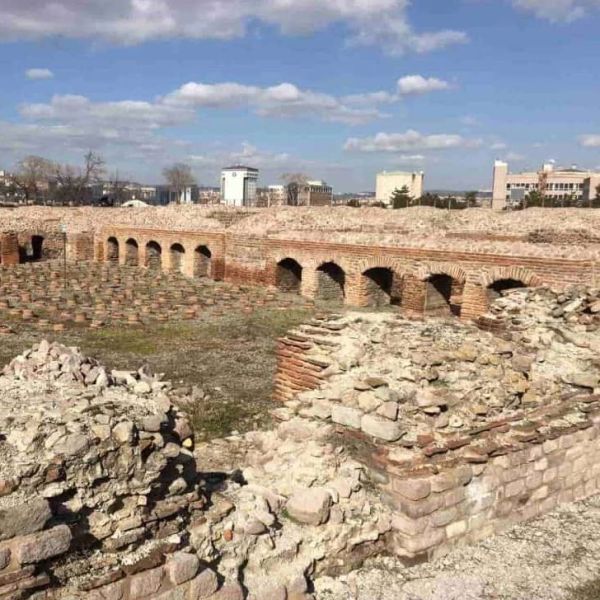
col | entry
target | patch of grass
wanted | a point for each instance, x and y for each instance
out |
(232, 357)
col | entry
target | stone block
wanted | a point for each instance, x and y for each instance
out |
(443, 482)
(454, 497)
(112, 591)
(45, 544)
(455, 529)
(145, 583)
(540, 494)
(550, 446)
(24, 518)
(344, 415)
(533, 481)
(381, 428)
(4, 558)
(203, 585)
(550, 475)
(408, 526)
(419, 543)
(310, 506)
(181, 567)
(413, 489)
(441, 518)
(514, 488)
(230, 591)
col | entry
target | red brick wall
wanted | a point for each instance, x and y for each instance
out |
(253, 260)
(9, 249)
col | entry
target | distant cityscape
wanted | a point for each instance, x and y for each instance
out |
(240, 188)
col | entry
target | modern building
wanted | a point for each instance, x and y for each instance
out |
(167, 194)
(555, 183)
(388, 182)
(315, 193)
(238, 185)
(274, 195)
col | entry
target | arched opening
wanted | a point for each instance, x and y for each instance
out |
(289, 275)
(37, 247)
(496, 289)
(177, 254)
(153, 256)
(112, 250)
(381, 287)
(131, 253)
(443, 294)
(331, 282)
(202, 262)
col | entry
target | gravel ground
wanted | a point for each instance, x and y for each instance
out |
(554, 557)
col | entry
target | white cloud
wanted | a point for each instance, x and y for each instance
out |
(410, 140)
(369, 22)
(417, 84)
(557, 10)
(498, 146)
(283, 100)
(39, 74)
(590, 140)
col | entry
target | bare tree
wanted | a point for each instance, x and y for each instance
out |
(73, 183)
(293, 183)
(179, 176)
(33, 175)
(118, 189)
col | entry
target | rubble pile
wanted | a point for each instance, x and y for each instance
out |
(303, 508)
(430, 388)
(103, 495)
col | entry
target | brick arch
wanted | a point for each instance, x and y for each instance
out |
(527, 276)
(425, 271)
(277, 258)
(382, 262)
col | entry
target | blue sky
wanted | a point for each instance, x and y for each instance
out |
(337, 90)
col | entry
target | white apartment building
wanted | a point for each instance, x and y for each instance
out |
(557, 184)
(238, 185)
(388, 182)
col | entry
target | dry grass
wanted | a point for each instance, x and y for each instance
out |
(231, 357)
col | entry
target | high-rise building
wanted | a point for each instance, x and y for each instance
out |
(389, 182)
(238, 185)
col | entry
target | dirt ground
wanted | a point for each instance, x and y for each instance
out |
(554, 557)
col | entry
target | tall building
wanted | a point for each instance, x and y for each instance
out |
(238, 185)
(388, 182)
(555, 183)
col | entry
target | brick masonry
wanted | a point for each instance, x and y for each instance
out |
(9, 249)
(439, 506)
(255, 260)
(476, 484)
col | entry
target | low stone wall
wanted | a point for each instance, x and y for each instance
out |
(463, 500)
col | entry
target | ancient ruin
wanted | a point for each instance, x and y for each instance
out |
(462, 398)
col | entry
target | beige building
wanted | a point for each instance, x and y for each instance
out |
(556, 183)
(388, 182)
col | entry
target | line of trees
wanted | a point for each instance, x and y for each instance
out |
(401, 198)
(536, 199)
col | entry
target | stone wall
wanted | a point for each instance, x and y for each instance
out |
(464, 432)
(446, 503)
(254, 260)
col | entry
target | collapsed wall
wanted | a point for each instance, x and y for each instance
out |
(464, 432)
(103, 495)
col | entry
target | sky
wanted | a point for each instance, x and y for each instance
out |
(337, 89)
